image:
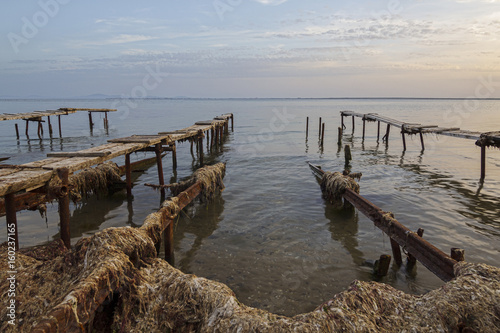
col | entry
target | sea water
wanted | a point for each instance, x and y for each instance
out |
(270, 236)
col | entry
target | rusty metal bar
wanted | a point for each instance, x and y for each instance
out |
(431, 257)
(64, 212)
(11, 218)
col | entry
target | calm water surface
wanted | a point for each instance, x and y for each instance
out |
(270, 236)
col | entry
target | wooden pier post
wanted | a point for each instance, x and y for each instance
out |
(221, 132)
(339, 139)
(322, 134)
(342, 121)
(307, 127)
(396, 252)
(158, 151)
(458, 254)
(59, 120)
(347, 154)
(27, 126)
(404, 140)
(353, 124)
(64, 212)
(200, 145)
(364, 125)
(378, 135)
(91, 124)
(40, 129)
(382, 265)
(11, 218)
(106, 124)
(128, 175)
(232, 122)
(212, 134)
(17, 131)
(422, 140)
(50, 127)
(319, 127)
(387, 132)
(483, 162)
(174, 155)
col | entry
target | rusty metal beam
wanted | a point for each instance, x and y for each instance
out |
(431, 257)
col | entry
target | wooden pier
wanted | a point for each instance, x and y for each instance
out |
(37, 116)
(17, 180)
(483, 140)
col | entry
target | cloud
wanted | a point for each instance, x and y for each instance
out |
(271, 2)
(124, 38)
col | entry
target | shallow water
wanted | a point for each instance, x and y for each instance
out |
(270, 236)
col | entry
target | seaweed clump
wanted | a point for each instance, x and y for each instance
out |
(334, 185)
(211, 178)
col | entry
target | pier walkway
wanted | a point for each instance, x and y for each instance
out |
(483, 140)
(17, 180)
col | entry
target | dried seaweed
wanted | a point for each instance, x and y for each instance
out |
(333, 186)
(211, 181)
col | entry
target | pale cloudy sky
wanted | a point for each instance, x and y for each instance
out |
(250, 48)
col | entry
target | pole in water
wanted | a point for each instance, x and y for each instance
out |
(17, 131)
(59, 120)
(396, 252)
(307, 127)
(347, 154)
(339, 141)
(322, 134)
(353, 124)
(382, 265)
(422, 140)
(364, 125)
(50, 127)
(319, 127)
(404, 140)
(11, 218)
(483, 162)
(378, 131)
(64, 212)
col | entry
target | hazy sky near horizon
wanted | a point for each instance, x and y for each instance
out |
(251, 48)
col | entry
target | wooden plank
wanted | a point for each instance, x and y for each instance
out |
(204, 122)
(79, 154)
(22, 180)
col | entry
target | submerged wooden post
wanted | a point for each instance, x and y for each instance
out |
(339, 140)
(396, 252)
(347, 154)
(458, 254)
(39, 130)
(91, 124)
(342, 121)
(11, 219)
(353, 124)
(128, 175)
(64, 212)
(212, 134)
(382, 265)
(106, 125)
(387, 132)
(232, 122)
(27, 126)
(422, 140)
(221, 132)
(17, 130)
(404, 140)
(319, 127)
(483, 162)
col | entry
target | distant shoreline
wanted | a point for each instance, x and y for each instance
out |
(245, 98)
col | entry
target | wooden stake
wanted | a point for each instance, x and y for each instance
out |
(404, 140)
(378, 135)
(347, 154)
(174, 156)
(307, 127)
(411, 259)
(168, 236)
(59, 120)
(158, 151)
(458, 254)
(339, 140)
(396, 252)
(353, 124)
(17, 131)
(382, 265)
(319, 127)
(422, 141)
(364, 125)
(50, 127)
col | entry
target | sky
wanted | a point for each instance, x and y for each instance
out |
(250, 48)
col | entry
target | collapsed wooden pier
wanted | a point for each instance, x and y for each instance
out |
(483, 140)
(18, 181)
(37, 116)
